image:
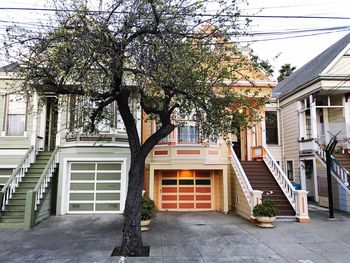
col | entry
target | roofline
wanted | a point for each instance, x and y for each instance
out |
(336, 59)
(313, 81)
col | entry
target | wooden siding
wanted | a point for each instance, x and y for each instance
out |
(290, 134)
(5, 175)
(342, 67)
(11, 160)
(48, 203)
(276, 152)
(341, 196)
(239, 201)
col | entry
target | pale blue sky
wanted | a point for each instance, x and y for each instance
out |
(296, 51)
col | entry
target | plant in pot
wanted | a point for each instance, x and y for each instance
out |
(149, 211)
(265, 212)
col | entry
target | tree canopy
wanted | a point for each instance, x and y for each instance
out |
(285, 71)
(175, 57)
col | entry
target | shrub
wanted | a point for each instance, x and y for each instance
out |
(266, 208)
(149, 208)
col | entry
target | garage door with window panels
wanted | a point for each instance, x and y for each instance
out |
(95, 187)
(186, 193)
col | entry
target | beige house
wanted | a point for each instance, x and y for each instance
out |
(312, 105)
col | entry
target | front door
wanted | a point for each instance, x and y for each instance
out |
(310, 178)
(51, 123)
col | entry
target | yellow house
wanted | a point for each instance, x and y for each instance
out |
(185, 174)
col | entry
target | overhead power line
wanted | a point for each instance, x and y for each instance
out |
(190, 14)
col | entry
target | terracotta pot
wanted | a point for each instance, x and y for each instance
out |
(265, 221)
(145, 224)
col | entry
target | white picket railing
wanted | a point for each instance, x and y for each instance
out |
(280, 177)
(12, 183)
(337, 168)
(242, 177)
(45, 177)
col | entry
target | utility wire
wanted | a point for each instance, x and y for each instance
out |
(190, 14)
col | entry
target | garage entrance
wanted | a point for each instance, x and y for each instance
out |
(186, 190)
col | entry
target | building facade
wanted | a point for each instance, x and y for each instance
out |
(313, 106)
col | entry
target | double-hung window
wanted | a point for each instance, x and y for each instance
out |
(15, 115)
(188, 133)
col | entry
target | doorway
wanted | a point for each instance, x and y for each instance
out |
(309, 174)
(237, 144)
(51, 123)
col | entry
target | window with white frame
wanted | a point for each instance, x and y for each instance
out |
(188, 133)
(80, 112)
(15, 115)
(290, 170)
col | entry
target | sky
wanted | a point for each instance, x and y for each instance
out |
(292, 47)
(297, 50)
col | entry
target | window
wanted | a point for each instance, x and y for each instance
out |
(289, 168)
(81, 110)
(271, 125)
(308, 125)
(15, 119)
(188, 133)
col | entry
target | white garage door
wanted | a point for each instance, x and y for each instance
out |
(95, 187)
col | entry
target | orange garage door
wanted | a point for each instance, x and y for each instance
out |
(186, 190)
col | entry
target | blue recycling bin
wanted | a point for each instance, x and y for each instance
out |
(297, 186)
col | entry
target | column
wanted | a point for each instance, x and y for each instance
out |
(59, 122)
(346, 113)
(313, 117)
(225, 188)
(302, 212)
(301, 121)
(35, 121)
(263, 130)
(151, 182)
(326, 125)
(255, 198)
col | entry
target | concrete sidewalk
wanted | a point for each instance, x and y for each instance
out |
(182, 237)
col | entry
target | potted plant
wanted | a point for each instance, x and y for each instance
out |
(265, 212)
(148, 212)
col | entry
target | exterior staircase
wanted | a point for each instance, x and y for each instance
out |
(15, 209)
(344, 159)
(261, 179)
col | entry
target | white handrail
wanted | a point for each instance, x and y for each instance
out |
(45, 177)
(16, 177)
(339, 170)
(242, 177)
(280, 177)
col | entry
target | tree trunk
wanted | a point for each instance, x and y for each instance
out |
(132, 241)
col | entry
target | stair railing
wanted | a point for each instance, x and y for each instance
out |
(337, 168)
(280, 177)
(242, 177)
(45, 177)
(16, 177)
